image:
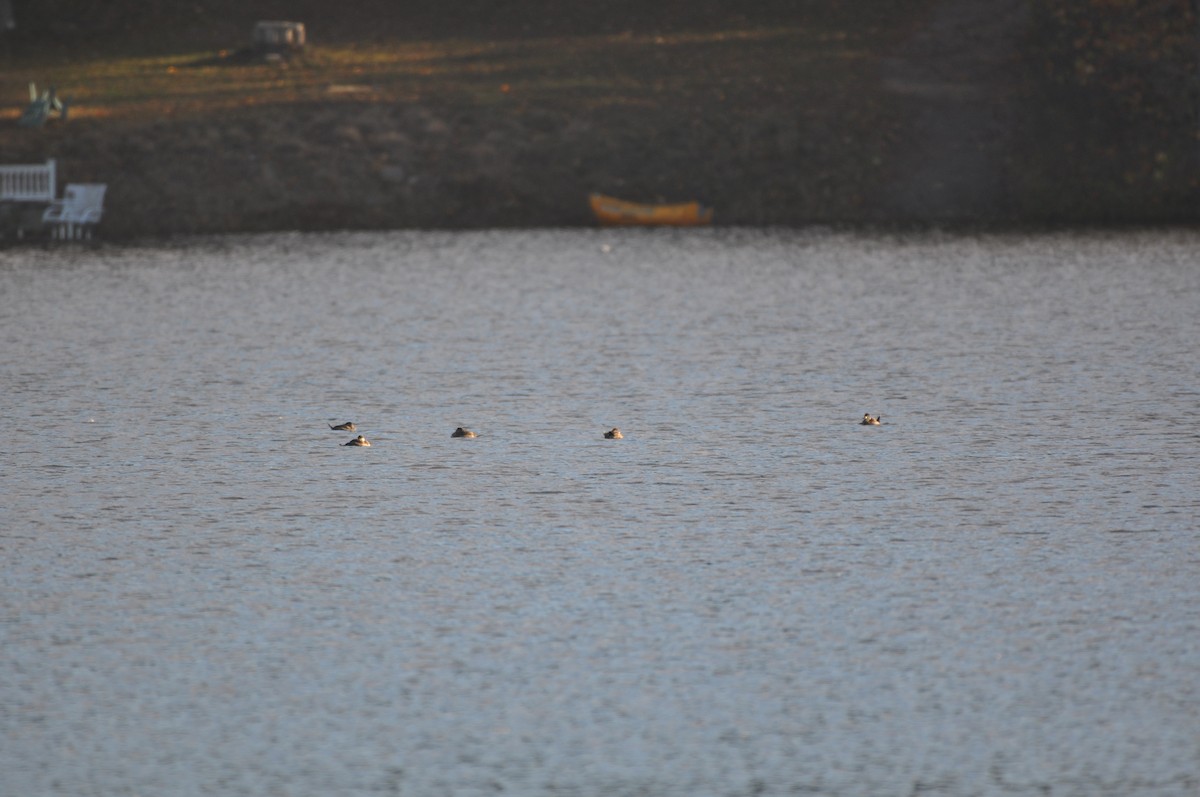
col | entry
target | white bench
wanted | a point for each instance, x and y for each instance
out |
(34, 182)
(73, 217)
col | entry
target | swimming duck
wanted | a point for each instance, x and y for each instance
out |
(869, 421)
(461, 432)
(614, 434)
(358, 441)
(348, 426)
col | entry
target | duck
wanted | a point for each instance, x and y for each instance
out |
(614, 434)
(461, 432)
(348, 426)
(869, 421)
(358, 441)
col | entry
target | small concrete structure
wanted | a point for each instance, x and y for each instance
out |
(279, 37)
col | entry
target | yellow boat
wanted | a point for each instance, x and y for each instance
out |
(617, 211)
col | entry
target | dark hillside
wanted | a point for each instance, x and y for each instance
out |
(469, 113)
(1113, 128)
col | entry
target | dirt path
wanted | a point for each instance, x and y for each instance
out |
(953, 80)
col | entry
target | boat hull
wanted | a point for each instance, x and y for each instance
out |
(610, 211)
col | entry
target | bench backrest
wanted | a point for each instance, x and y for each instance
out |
(83, 197)
(34, 182)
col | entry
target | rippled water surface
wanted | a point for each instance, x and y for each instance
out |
(996, 592)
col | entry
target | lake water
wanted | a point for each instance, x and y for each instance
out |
(996, 592)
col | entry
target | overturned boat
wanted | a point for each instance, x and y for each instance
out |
(612, 211)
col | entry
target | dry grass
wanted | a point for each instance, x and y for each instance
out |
(740, 67)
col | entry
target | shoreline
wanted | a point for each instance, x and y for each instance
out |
(898, 230)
